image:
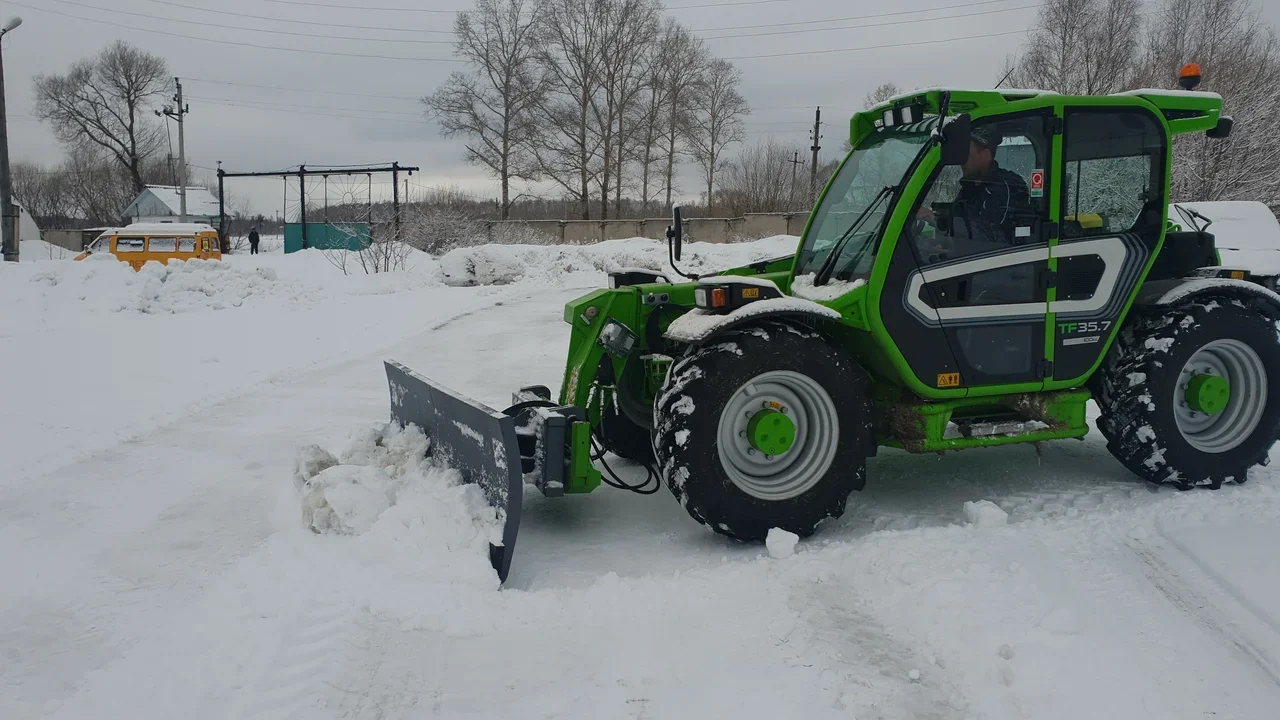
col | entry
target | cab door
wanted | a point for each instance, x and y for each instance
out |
(975, 274)
(1113, 204)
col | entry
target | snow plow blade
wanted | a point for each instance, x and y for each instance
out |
(476, 440)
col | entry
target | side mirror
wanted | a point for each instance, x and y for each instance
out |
(1222, 129)
(675, 232)
(955, 140)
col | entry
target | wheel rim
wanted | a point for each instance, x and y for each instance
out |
(815, 423)
(1236, 365)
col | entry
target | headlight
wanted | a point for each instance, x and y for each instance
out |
(616, 339)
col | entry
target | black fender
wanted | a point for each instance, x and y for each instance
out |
(1163, 293)
(697, 326)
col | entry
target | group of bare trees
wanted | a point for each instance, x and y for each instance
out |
(1106, 46)
(595, 97)
(101, 110)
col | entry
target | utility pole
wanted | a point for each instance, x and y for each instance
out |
(222, 211)
(796, 162)
(179, 114)
(395, 200)
(8, 213)
(813, 169)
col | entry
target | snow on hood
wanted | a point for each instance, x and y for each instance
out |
(803, 287)
(1247, 233)
(696, 325)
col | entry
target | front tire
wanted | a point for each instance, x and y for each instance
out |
(713, 446)
(1155, 422)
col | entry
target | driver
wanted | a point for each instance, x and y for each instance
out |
(992, 201)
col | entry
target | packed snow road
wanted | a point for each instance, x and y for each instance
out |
(168, 574)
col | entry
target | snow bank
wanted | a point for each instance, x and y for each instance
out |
(37, 250)
(102, 284)
(559, 264)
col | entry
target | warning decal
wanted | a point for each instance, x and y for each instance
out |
(1037, 183)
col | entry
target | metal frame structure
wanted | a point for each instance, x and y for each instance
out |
(301, 173)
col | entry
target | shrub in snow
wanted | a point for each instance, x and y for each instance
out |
(484, 265)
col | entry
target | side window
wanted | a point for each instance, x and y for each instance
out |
(186, 244)
(163, 244)
(994, 201)
(130, 245)
(1113, 160)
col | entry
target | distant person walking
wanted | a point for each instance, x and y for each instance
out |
(253, 241)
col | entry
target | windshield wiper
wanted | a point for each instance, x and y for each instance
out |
(829, 265)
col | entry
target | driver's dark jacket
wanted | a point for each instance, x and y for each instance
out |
(992, 206)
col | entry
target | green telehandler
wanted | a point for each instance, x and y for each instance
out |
(981, 265)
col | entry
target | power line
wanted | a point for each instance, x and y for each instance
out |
(307, 3)
(344, 26)
(308, 107)
(879, 47)
(303, 90)
(847, 19)
(220, 41)
(162, 18)
(303, 3)
(876, 25)
(286, 109)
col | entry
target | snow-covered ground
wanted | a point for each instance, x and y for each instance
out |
(159, 563)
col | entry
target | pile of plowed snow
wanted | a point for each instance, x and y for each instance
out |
(381, 489)
(100, 283)
(558, 264)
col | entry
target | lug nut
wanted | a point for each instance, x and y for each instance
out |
(784, 409)
(751, 451)
(742, 433)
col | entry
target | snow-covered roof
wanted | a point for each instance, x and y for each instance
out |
(157, 198)
(163, 229)
(1171, 93)
(920, 91)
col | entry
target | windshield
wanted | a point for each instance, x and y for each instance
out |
(879, 161)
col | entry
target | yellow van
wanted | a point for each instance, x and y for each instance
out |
(141, 243)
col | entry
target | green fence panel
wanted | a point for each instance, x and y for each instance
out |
(327, 236)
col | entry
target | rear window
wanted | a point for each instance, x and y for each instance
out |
(129, 244)
(164, 244)
(186, 245)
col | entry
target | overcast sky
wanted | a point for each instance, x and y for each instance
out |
(342, 109)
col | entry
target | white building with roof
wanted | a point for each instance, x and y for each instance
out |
(161, 204)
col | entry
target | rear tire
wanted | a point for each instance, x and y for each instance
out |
(721, 479)
(1144, 415)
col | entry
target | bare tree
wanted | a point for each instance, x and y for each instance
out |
(686, 63)
(105, 101)
(716, 121)
(568, 142)
(495, 105)
(623, 68)
(44, 192)
(1240, 57)
(760, 180)
(880, 94)
(1081, 47)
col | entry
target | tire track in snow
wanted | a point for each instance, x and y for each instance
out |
(164, 517)
(295, 678)
(1183, 595)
